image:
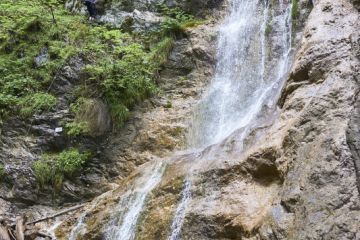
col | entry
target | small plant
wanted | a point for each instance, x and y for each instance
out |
(43, 173)
(51, 169)
(75, 129)
(168, 104)
(120, 113)
(176, 21)
(36, 103)
(268, 29)
(295, 11)
(161, 51)
(70, 161)
(2, 171)
(49, 5)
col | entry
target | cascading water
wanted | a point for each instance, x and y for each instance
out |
(246, 81)
(124, 220)
(180, 211)
(242, 86)
(242, 83)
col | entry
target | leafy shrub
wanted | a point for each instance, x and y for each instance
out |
(17, 85)
(36, 103)
(43, 173)
(51, 169)
(176, 21)
(71, 161)
(75, 129)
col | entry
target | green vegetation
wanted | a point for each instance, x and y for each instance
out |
(43, 173)
(295, 10)
(52, 169)
(69, 162)
(268, 29)
(177, 21)
(36, 103)
(75, 129)
(39, 38)
(168, 104)
(25, 31)
(126, 81)
(2, 172)
(119, 68)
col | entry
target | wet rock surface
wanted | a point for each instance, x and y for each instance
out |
(297, 178)
(157, 127)
(300, 180)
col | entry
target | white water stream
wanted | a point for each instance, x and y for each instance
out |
(242, 86)
(246, 80)
(125, 217)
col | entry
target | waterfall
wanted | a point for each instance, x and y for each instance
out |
(242, 85)
(246, 81)
(263, 40)
(180, 211)
(122, 225)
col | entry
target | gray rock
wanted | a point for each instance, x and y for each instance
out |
(42, 58)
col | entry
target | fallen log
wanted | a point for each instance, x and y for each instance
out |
(17, 230)
(57, 214)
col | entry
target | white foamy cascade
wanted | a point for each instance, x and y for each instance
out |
(242, 84)
(122, 225)
(181, 211)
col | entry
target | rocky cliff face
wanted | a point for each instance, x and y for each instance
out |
(156, 127)
(299, 174)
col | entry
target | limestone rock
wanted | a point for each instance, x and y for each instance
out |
(299, 177)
